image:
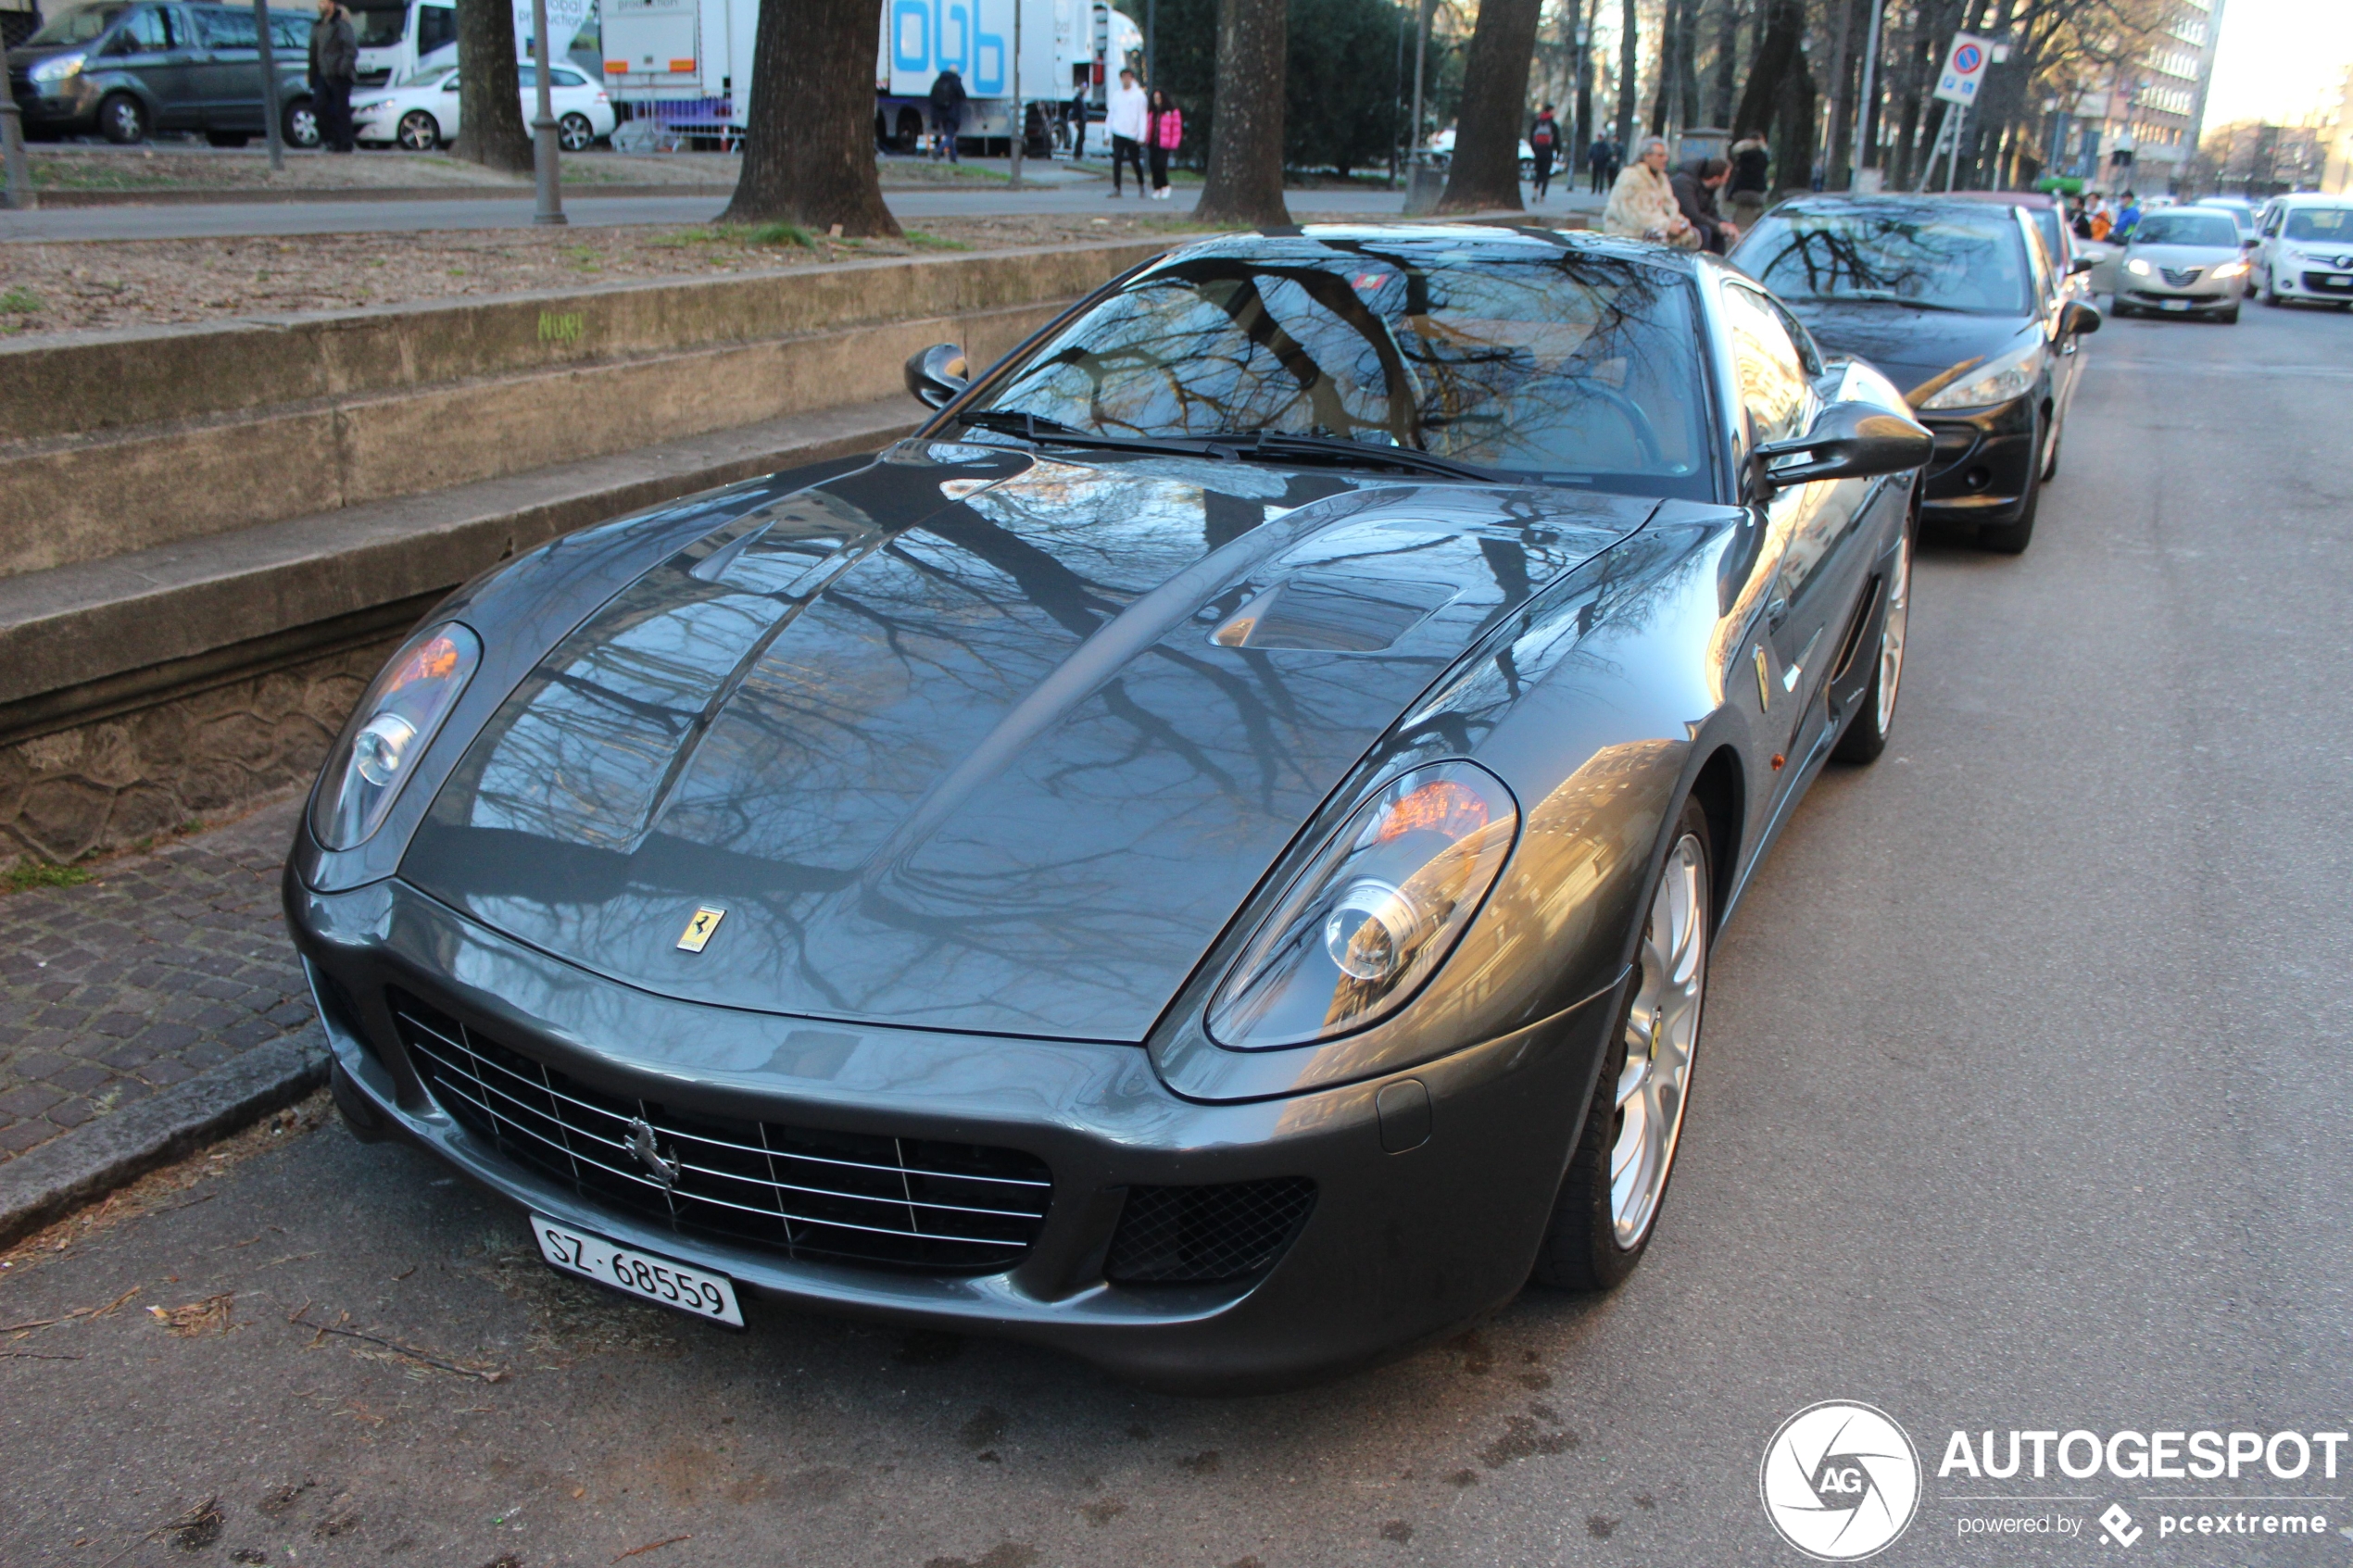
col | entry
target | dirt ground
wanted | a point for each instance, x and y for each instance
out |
(86, 284)
(174, 165)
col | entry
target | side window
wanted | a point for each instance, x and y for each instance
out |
(1767, 363)
(560, 77)
(289, 33)
(437, 25)
(227, 30)
(2038, 262)
(147, 32)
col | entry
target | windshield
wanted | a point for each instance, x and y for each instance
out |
(78, 26)
(2180, 228)
(378, 29)
(2331, 225)
(1925, 254)
(1507, 354)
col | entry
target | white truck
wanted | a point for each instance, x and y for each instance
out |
(402, 40)
(686, 64)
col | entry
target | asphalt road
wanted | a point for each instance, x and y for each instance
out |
(409, 216)
(2022, 1104)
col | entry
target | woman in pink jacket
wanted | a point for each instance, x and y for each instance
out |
(1165, 131)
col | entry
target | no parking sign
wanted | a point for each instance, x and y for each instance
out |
(1964, 69)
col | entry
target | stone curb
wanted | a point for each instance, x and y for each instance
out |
(50, 1182)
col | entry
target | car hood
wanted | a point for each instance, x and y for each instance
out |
(2184, 256)
(1910, 347)
(972, 738)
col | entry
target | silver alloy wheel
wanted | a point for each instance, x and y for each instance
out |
(573, 132)
(1661, 1032)
(418, 132)
(1891, 636)
(302, 125)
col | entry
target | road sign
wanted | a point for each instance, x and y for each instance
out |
(1964, 69)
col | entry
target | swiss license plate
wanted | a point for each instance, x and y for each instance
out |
(640, 1274)
(2177, 304)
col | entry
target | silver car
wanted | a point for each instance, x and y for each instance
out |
(2185, 260)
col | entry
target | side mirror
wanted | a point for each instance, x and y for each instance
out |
(2079, 263)
(2250, 242)
(939, 375)
(1847, 441)
(2079, 318)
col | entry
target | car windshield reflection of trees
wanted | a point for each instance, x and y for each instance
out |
(1575, 368)
(1920, 257)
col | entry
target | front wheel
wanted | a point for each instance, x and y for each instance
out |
(418, 132)
(573, 132)
(2269, 295)
(1608, 1203)
(1866, 736)
(2228, 317)
(123, 119)
(301, 126)
(2012, 538)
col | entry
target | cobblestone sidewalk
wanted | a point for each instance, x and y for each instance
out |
(164, 965)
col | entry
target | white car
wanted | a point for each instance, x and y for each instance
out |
(2304, 250)
(422, 115)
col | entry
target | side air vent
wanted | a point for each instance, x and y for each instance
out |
(1195, 1235)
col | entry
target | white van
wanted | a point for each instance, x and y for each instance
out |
(2304, 250)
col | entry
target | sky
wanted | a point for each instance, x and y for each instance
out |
(2278, 59)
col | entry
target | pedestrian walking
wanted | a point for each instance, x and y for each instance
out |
(1597, 161)
(1617, 161)
(1544, 141)
(948, 101)
(1124, 118)
(334, 64)
(1642, 204)
(1695, 191)
(1752, 170)
(1166, 128)
(1078, 119)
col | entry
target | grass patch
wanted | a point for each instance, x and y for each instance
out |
(19, 301)
(685, 237)
(26, 875)
(72, 174)
(774, 235)
(922, 241)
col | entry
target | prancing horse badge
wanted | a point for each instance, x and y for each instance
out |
(698, 933)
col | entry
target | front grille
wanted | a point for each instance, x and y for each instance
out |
(2324, 282)
(911, 1203)
(2179, 277)
(1196, 1234)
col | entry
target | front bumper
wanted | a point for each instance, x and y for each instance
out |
(1398, 1245)
(1984, 465)
(2199, 298)
(68, 106)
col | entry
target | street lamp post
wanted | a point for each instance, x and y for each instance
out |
(1867, 101)
(272, 133)
(543, 127)
(18, 193)
(1021, 127)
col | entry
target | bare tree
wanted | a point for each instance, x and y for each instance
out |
(1485, 171)
(490, 128)
(809, 140)
(1629, 64)
(1245, 182)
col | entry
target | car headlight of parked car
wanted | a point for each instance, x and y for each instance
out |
(396, 722)
(366, 105)
(2138, 267)
(1371, 918)
(56, 70)
(1997, 381)
(2228, 270)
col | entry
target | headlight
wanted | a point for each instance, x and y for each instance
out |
(2138, 267)
(2230, 269)
(56, 70)
(395, 721)
(1358, 932)
(365, 105)
(2010, 376)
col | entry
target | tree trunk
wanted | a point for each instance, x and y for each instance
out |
(1630, 64)
(1670, 32)
(1584, 137)
(490, 127)
(1245, 184)
(808, 137)
(1727, 49)
(1485, 171)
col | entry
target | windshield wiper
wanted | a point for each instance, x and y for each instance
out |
(1278, 446)
(1889, 296)
(1053, 432)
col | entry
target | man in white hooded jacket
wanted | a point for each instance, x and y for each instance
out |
(1124, 115)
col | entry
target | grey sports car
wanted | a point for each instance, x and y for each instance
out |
(1205, 856)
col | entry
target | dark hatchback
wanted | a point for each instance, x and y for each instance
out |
(127, 72)
(1960, 304)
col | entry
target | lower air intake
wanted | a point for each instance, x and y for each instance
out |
(1197, 1235)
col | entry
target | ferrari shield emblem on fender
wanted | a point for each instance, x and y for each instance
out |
(698, 933)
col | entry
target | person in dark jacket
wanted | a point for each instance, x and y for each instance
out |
(1544, 142)
(948, 100)
(1695, 191)
(1076, 117)
(1597, 159)
(335, 63)
(1752, 166)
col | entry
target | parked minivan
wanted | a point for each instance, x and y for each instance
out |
(129, 71)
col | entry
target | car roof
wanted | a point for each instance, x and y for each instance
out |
(1498, 235)
(2008, 198)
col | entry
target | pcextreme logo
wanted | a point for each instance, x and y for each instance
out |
(1840, 1481)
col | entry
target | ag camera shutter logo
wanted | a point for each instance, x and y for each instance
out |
(1840, 1481)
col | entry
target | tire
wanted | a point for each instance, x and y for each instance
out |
(1866, 734)
(227, 138)
(2269, 295)
(418, 132)
(122, 120)
(2120, 310)
(574, 133)
(2012, 538)
(2228, 318)
(301, 127)
(1596, 1234)
(2051, 450)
